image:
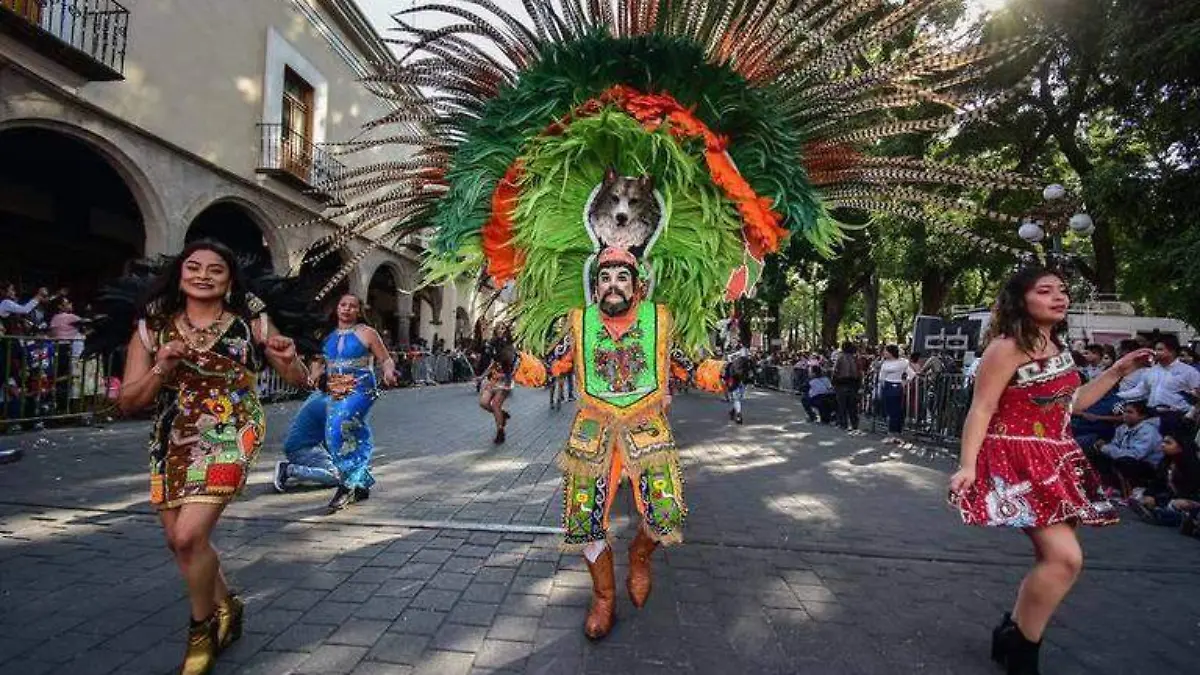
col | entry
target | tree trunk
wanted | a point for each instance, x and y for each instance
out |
(833, 305)
(1106, 259)
(935, 286)
(774, 325)
(871, 295)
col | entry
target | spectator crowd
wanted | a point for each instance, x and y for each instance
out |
(1142, 436)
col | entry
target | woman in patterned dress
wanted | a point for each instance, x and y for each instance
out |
(200, 344)
(1019, 466)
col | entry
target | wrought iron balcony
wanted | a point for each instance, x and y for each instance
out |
(87, 36)
(292, 158)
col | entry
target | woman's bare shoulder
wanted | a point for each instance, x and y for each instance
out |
(1004, 349)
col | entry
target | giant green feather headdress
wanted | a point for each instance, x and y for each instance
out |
(755, 118)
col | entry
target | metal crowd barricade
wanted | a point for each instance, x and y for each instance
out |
(935, 408)
(780, 378)
(272, 387)
(441, 367)
(46, 379)
(420, 368)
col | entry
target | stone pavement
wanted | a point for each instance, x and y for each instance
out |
(809, 551)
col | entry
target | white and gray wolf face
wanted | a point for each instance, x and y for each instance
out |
(625, 212)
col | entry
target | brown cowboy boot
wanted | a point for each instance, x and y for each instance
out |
(603, 612)
(202, 647)
(638, 581)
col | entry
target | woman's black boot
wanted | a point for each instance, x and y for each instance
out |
(1022, 655)
(1001, 637)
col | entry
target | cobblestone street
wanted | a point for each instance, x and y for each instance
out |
(808, 551)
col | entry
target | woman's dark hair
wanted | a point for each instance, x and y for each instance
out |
(1169, 341)
(1182, 430)
(165, 299)
(849, 348)
(1188, 459)
(1010, 316)
(893, 351)
(1139, 407)
(56, 306)
(815, 371)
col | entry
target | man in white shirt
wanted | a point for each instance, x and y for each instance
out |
(1168, 380)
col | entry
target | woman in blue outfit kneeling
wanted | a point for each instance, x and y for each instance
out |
(330, 441)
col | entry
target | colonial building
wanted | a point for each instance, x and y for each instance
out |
(130, 128)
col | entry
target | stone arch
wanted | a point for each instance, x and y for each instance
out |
(155, 224)
(241, 226)
(383, 300)
(266, 223)
(68, 217)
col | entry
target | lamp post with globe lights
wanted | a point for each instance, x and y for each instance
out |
(1047, 223)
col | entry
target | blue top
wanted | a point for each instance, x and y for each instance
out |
(345, 354)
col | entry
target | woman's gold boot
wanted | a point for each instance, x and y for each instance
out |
(229, 621)
(201, 653)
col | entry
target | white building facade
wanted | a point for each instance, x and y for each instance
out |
(130, 128)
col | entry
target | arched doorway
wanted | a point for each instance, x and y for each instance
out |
(67, 217)
(231, 224)
(383, 300)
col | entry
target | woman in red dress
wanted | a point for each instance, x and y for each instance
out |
(1019, 465)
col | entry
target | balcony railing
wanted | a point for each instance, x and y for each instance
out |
(293, 158)
(87, 36)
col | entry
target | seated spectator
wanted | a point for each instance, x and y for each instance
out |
(1132, 381)
(1188, 356)
(1099, 422)
(1109, 358)
(821, 399)
(1173, 497)
(1093, 355)
(1131, 459)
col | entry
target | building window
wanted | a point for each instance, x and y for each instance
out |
(297, 120)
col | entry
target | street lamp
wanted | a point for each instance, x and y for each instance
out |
(1052, 219)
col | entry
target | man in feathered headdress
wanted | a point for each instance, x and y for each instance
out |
(619, 350)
